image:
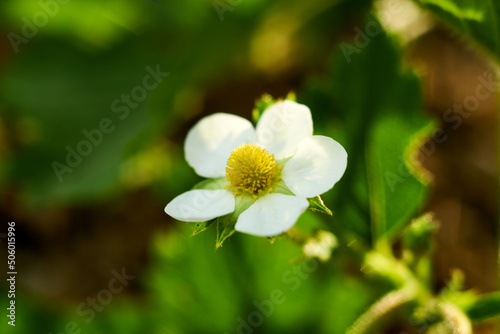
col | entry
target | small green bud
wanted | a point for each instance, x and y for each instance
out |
(417, 237)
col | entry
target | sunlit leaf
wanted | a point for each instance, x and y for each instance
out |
(476, 20)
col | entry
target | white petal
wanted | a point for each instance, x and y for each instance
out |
(282, 126)
(200, 205)
(316, 166)
(210, 142)
(271, 214)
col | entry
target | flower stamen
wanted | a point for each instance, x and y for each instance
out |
(251, 169)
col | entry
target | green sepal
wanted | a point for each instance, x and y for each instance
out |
(317, 204)
(485, 307)
(225, 229)
(212, 184)
(281, 188)
(225, 224)
(261, 104)
(208, 184)
(202, 226)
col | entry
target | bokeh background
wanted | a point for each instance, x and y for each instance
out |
(382, 93)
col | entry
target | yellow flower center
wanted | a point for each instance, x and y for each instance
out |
(251, 169)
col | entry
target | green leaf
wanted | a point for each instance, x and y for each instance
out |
(486, 307)
(374, 109)
(390, 175)
(476, 20)
(317, 204)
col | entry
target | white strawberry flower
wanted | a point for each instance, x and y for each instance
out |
(262, 175)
